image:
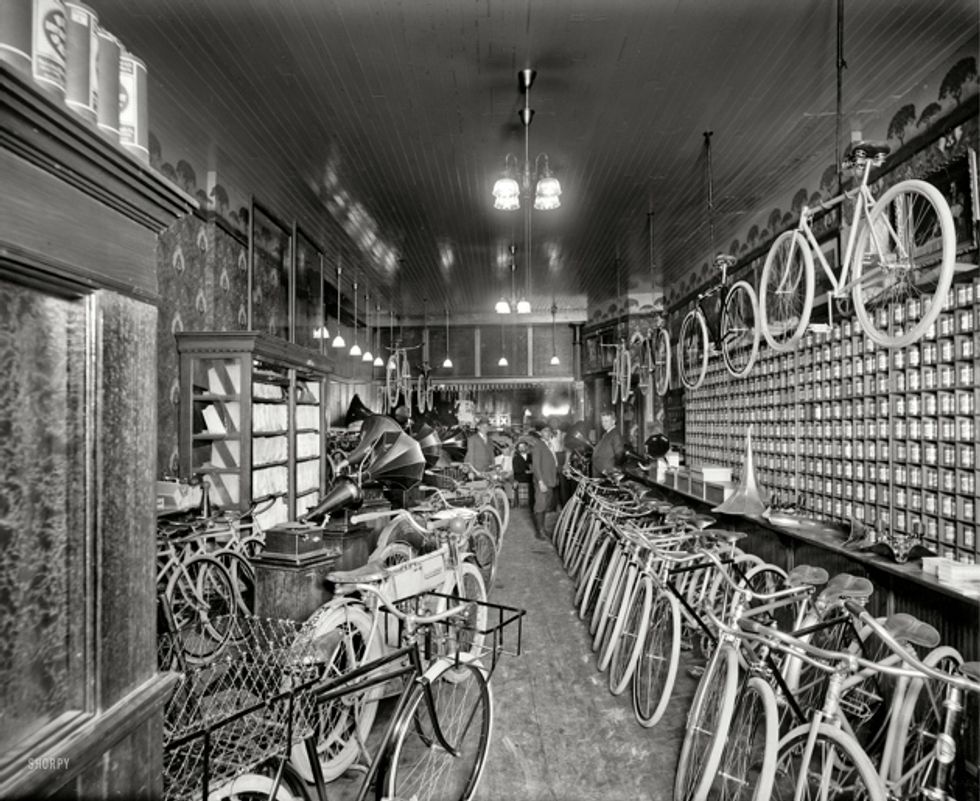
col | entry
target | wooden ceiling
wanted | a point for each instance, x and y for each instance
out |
(394, 117)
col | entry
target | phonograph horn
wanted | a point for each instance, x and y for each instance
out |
(576, 438)
(374, 427)
(400, 465)
(748, 499)
(430, 444)
(454, 444)
(357, 411)
(657, 446)
(344, 493)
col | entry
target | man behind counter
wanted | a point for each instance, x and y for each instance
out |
(608, 453)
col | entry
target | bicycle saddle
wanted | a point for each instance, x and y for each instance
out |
(726, 535)
(365, 574)
(806, 575)
(908, 628)
(445, 516)
(702, 521)
(971, 670)
(865, 150)
(845, 585)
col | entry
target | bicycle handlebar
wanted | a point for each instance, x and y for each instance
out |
(411, 618)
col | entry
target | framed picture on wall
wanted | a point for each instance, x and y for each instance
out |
(270, 273)
(308, 302)
(957, 182)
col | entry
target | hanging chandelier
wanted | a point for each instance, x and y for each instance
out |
(518, 178)
(338, 341)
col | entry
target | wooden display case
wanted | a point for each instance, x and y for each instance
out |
(252, 421)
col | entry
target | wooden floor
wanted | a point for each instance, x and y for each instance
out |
(558, 733)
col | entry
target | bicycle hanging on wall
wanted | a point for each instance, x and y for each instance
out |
(897, 265)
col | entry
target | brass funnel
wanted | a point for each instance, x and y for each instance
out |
(749, 499)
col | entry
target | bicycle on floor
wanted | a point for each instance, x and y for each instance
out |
(724, 319)
(897, 265)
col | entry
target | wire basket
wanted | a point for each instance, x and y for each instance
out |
(485, 630)
(244, 706)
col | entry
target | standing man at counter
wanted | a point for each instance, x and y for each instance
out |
(479, 448)
(608, 453)
(544, 466)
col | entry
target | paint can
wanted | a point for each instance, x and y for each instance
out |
(48, 39)
(81, 60)
(16, 19)
(108, 86)
(133, 118)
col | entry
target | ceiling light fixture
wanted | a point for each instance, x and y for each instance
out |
(378, 361)
(507, 190)
(355, 349)
(554, 353)
(368, 356)
(447, 362)
(502, 361)
(338, 341)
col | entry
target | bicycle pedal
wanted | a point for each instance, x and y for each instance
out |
(695, 671)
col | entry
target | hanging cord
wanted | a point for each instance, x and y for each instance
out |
(711, 198)
(841, 66)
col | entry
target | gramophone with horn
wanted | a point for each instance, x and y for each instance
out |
(374, 428)
(749, 499)
(454, 444)
(344, 494)
(577, 439)
(399, 465)
(357, 412)
(430, 444)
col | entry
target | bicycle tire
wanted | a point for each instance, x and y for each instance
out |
(740, 329)
(393, 385)
(625, 571)
(904, 278)
(919, 726)
(501, 503)
(405, 378)
(420, 393)
(842, 761)
(784, 313)
(617, 615)
(582, 555)
(627, 648)
(748, 764)
(462, 638)
(416, 765)
(483, 553)
(661, 360)
(254, 786)
(659, 658)
(624, 373)
(343, 726)
(610, 578)
(693, 345)
(592, 585)
(707, 724)
(202, 604)
(488, 517)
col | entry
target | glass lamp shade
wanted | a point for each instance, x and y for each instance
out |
(546, 194)
(379, 362)
(523, 306)
(338, 342)
(367, 357)
(321, 332)
(502, 307)
(447, 363)
(502, 361)
(555, 361)
(355, 350)
(506, 194)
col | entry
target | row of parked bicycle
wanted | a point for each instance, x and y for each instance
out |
(803, 693)
(893, 274)
(384, 690)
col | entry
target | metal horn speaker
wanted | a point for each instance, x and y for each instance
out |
(454, 444)
(577, 439)
(430, 444)
(373, 429)
(400, 465)
(344, 493)
(749, 498)
(357, 411)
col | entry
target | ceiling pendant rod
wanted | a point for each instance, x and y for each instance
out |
(447, 362)
(378, 361)
(338, 341)
(368, 356)
(355, 349)
(711, 199)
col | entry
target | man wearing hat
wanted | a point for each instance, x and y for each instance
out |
(544, 466)
(608, 453)
(479, 449)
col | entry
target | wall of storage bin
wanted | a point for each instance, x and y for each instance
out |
(860, 432)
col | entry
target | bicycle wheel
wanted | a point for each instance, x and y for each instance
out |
(920, 726)
(202, 602)
(394, 553)
(393, 386)
(627, 648)
(661, 360)
(417, 765)
(421, 393)
(607, 591)
(405, 378)
(616, 614)
(258, 787)
(488, 517)
(501, 503)
(904, 252)
(748, 763)
(707, 726)
(786, 291)
(624, 373)
(592, 585)
(483, 553)
(461, 638)
(739, 329)
(835, 768)
(346, 723)
(693, 349)
(659, 658)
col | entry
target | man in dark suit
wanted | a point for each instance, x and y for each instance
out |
(608, 453)
(544, 466)
(479, 448)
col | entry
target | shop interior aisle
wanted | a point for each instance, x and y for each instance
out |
(558, 733)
